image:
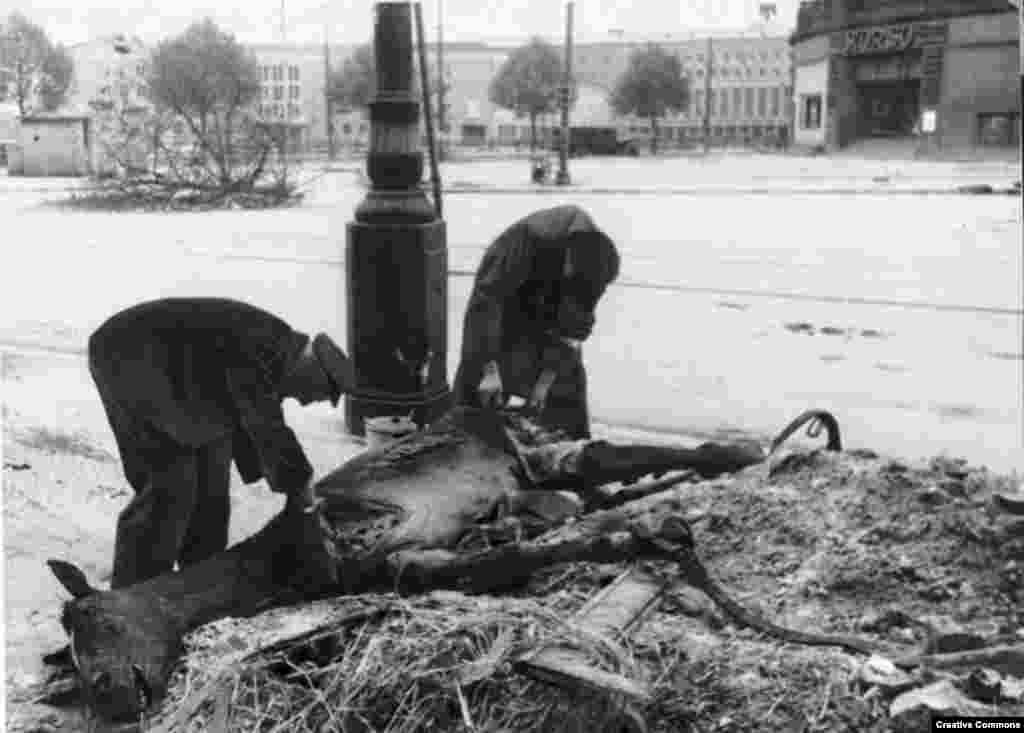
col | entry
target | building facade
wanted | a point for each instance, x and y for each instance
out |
(293, 83)
(52, 145)
(943, 74)
(108, 71)
(751, 89)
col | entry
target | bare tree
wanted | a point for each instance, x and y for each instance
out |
(197, 139)
(206, 79)
(39, 71)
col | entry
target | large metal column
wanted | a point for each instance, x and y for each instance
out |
(396, 255)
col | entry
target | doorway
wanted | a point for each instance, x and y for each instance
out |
(887, 108)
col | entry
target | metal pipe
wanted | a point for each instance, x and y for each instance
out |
(441, 112)
(428, 118)
(563, 149)
(708, 69)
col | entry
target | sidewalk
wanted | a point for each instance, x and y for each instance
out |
(720, 173)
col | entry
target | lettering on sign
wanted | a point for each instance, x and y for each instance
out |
(882, 39)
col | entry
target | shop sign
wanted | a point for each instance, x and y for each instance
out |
(881, 39)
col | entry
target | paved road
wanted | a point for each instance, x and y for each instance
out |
(901, 314)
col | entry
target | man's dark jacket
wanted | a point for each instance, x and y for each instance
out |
(187, 371)
(515, 297)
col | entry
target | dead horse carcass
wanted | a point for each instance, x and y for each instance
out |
(402, 517)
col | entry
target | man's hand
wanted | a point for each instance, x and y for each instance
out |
(490, 388)
(304, 500)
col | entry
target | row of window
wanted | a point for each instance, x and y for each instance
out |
(277, 73)
(725, 57)
(140, 70)
(125, 89)
(513, 132)
(741, 102)
(279, 111)
(736, 73)
(277, 92)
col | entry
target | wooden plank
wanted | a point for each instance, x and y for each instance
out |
(612, 613)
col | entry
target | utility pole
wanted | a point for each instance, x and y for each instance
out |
(562, 179)
(284, 34)
(708, 70)
(396, 257)
(328, 106)
(442, 124)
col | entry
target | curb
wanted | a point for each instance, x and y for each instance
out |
(969, 190)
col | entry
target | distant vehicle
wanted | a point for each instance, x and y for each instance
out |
(586, 140)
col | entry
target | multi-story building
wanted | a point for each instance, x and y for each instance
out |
(107, 71)
(109, 91)
(293, 82)
(750, 89)
(750, 82)
(943, 73)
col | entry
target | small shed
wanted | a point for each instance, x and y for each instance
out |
(8, 130)
(52, 145)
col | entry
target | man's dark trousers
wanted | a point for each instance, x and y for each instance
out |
(182, 504)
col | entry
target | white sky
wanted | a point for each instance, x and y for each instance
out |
(351, 21)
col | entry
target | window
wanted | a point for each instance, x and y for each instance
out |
(762, 102)
(749, 101)
(712, 94)
(293, 91)
(279, 92)
(997, 130)
(279, 73)
(810, 111)
(723, 103)
(698, 99)
(346, 128)
(293, 73)
(737, 102)
(775, 101)
(140, 69)
(266, 73)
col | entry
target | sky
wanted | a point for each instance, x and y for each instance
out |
(351, 21)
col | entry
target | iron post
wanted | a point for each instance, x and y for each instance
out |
(708, 70)
(562, 178)
(396, 253)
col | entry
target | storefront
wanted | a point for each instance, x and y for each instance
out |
(948, 83)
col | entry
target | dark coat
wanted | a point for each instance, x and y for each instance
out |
(182, 372)
(515, 299)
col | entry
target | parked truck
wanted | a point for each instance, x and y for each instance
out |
(588, 140)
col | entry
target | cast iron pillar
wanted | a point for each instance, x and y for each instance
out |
(565, 97)
(396, 256)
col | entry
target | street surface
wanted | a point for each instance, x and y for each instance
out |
(741, 301)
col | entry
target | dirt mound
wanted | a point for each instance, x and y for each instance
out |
(915, 559)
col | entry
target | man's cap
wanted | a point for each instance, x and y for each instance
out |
(336, 365)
